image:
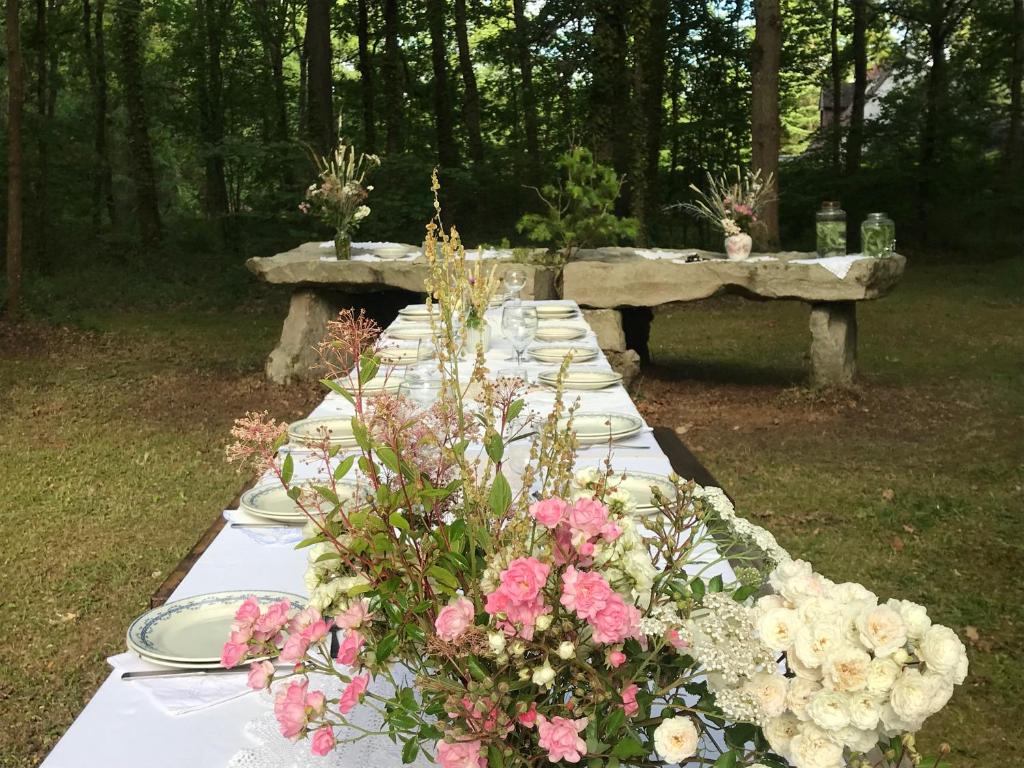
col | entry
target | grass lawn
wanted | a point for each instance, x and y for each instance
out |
(111, 438)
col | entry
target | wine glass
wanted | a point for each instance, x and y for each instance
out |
(519, 324)
(420, 388)
(514, 280)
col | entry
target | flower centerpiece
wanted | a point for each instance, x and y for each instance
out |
(733, 207)
(497, 609)
(338, 194)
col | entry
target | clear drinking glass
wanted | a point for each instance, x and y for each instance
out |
(514, 281)
(519, 325)
(419, 387)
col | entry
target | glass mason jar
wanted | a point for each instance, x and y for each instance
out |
(831, 229)
(343, 246)
(878, 236)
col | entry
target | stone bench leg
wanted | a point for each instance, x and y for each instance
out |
(295, 356)
(833, 343)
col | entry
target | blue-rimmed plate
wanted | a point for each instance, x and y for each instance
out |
(272, 502)
(193, 630)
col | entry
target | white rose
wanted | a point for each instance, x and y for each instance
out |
(676, 739)
(566, 650)
(620, 501)
(943, 690)
(812, 748)
(770, 691)
(543, 622)
(865, 709)
(543, 676)
(858, 740)
(780, 732)
(586, 477)
(799, 695)
(496, 640)
(829, 710)
(914, 616)
(942, 651)
(814, 644)
(893, 724)
(788, 570)
(778, 627)
(804, 587)
(882, 630)
(518, 648)
(802, 670)
(961, 670)
(912, 696)
(852, 592)
(768, 602)
(638, 565)
(846, 669)
(816, 610)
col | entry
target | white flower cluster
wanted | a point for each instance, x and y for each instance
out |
(764, 540)
(863, 669)
(328, 586)
(620, 503)
(660, 619)
(723, 638)
(626, 562)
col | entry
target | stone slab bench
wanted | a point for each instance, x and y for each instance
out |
(619, 278)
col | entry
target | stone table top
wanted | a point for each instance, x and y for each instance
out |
(648, 282)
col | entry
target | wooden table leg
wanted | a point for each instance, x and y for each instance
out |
(306, 325)
(833, 343)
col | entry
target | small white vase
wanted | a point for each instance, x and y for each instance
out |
(737, 247)
(476, 337)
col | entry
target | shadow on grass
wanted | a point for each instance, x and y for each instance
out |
(675, 369)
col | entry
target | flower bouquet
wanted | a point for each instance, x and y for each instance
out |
(338, 194)
(493, 609)
(733, 207)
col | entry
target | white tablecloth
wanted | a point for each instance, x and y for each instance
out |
(121, 727)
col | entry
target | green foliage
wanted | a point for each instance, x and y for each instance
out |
(579, 206)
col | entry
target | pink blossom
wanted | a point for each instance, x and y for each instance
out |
(454, 619)
(352, 693)
(615, 621)
(588, 516)
(616, 659)
(610, 531)
(629, 704)
(260, 673)
(240, 636)
(528, 719)
(675, 640)
(562, 549)
(232, 653)
(290, 709)
(317, 631)
(549, 512)
(584, 592)
(303, 619)
(560, 737)
(294, 649)
(460, 754)
(316, 703)
(355, 615)
(271, 622)
(323, 740)
(524, 578)
(348, 651)
(247, 612)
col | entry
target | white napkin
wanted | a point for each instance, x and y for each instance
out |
(182, 695)
(277, 536)
(659, 255)
(837, 265)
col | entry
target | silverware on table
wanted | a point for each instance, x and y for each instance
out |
(172, 673)
(267, 525)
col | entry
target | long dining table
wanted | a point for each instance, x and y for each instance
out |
(132, 723)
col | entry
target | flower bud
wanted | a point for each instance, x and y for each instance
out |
(497, 642)
(566, 650)
(518, 649)
(543, 676)
(524, 674)
(543, 622)
(900, 656)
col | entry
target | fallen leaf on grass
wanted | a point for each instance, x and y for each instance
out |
(975, 639)
(909, 528)
(888, 494)
(897, 544)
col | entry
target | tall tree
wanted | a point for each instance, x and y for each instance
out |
(447, 150)
(766, 53)
(270, 19)
(15, 104)
(147, 209)
(212, 16)
(93, 38)
(41, 204)
(1015, 138)
(855, 138)
(528, 99)
(836, 71)
(610, 93)
(366, 76)
(470, 93)
(394, 84)
(320, 127)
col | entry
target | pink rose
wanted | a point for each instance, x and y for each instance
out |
(260, 674)
(560, 737)
(588, 516)
(248, 611)
(562, 549)
(271, 622)
(316, 702)
(454, 619)
(615, 621)
(348, 651)
(232, 653)
(629, 704)
(584, 592)
(317, 631)
(610, 531)
(294, 649)
(290, 709)
(323, 740)
(352, 693)
(240, 636)
(460, 754)
(304, 618)
(524, 578)
(616, 659)
(528, 719)
(355, 615)
(675, 640)
(548, 512)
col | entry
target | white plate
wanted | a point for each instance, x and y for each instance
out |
(272, 502)
(391, 252)
(638, 485)
(311, 432)
(418, 311)
(400, 356)
(556, 310)
(559, 353)
(381, 384)
(411, 332)
(560, 333)
(595, 428)
(193, 630)
(581, 378)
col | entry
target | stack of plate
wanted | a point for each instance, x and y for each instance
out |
(411, 331)
(418, 312)
(311, 432)
(380, 385)
(595, 428)
(272, 502)
(640, 485)
(392, 252)
(190, 633)
(581, 378)
(560, 332)
(403, 355)
(553, 311)
(558, 353)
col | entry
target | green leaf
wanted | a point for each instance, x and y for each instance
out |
(727, 760)
(697, 588)
(361, 434)
(396, 520)
(443, 577)
(715, 585)
(336, 387)
(500, 496)
(494, 447)
(737, 736)
(368, 367)
(327, 493)
(385, 647)
(287, 468)
(515, 409)
(614, 721)
(476, 669)
(387, 457)
(410, 750)
(628, 747)
(743, 593)
(495, 759)
(344, 467)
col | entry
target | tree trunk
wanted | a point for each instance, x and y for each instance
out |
(836, 71)
(140, 151)
(933, 149)
(610, 97)
(212, 15)
(270, 18)
(366, 77)
(95, 58)
(528, 100)
(447, 151)
(765, 108)
(321, 131)
(470, 95)
(1015, 139)
(855, 138)
(15, 103)
(41, 203)
(650, 41)
(394, 98)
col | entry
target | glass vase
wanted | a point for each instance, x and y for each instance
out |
(878, 236)
(830, 229)
(343, 246)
